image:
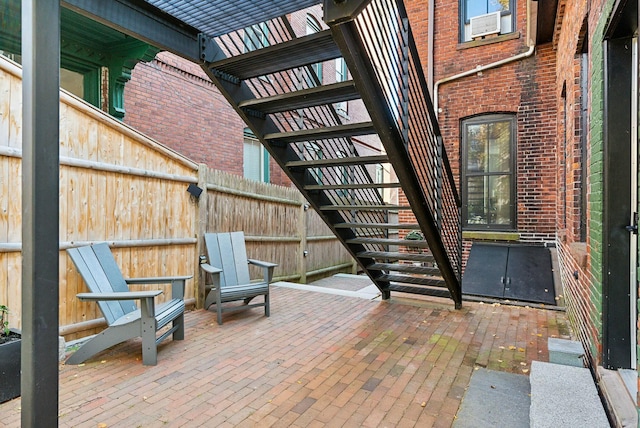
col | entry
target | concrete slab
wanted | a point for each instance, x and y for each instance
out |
(564, 396)
(495, 399)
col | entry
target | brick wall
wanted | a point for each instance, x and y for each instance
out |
(525, 88)
(172, 101)
(579, 261)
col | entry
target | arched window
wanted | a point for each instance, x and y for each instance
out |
(488, 172)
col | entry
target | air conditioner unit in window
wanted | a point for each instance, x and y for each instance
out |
(485, 24)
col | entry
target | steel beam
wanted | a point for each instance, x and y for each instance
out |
(40, 211)
(144, 22)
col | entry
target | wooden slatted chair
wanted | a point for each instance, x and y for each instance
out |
(125, 321)
(229, 266)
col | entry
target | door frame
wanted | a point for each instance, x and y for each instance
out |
(619, 249)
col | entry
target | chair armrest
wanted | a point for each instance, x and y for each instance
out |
(158, 279)
(122, 295)
(260, 263)
(209, 269)
(267, 268)
(177, 283)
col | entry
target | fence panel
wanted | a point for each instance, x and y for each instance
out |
(121, 187)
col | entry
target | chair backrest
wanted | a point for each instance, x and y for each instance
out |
(101, 273)
(227, 251)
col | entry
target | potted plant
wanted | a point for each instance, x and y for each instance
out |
(10, 341)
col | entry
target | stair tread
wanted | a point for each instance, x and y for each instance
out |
(326, 133)
(395, 256)
(564, 396)
(387, 241)
(406, 268)
(352, 186)
(414, 280)
(403, 226)
(357, 160)
(311, 97)
(421, 290)
(363, 207)
(310, 49)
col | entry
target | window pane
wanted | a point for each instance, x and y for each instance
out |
(499, 143)
(497, 5)
(477, 148)
(475, 8)
(499, 207)
(252, 164)
(476, 196)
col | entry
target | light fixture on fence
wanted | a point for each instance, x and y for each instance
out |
(194, 190)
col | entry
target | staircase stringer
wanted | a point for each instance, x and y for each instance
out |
(283, 153)
(346, 36)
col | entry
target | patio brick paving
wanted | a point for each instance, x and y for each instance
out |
(319, 360)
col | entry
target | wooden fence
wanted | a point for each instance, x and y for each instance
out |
(119, 186)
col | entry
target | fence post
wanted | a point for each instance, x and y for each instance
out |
(202, 220)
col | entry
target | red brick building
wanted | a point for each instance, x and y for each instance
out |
(495, 100)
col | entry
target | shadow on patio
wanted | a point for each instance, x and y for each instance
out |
(320, 359)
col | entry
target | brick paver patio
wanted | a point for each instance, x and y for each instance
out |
(319, 360)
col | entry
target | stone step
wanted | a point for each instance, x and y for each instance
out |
(564, 396)
(567, 352)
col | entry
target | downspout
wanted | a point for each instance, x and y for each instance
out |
(430, 40)
(530, 42)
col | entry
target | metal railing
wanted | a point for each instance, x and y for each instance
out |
(387, 39)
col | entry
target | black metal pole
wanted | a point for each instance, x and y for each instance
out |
(40, 211)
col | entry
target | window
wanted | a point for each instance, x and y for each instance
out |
(488, 178)
(313, 27)
(255, 159)
(342, 74)
(473, 8)
(256, 37)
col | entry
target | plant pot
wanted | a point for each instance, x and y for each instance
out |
(10, 369)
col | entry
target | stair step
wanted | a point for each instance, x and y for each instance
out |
(352, 186)
(405, 268)
(383, 255)
(423, 291)
(564, 396)
(414, 280)
(363, 207)
(339, 131)
(385, 241)
(403, 226)
(311, 49)
(319, 95)
(567, 352)
(345, 161)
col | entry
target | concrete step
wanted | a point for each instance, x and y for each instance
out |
(564, 396)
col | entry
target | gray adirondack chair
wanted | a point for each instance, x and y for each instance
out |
(229, 267)
(125, 321)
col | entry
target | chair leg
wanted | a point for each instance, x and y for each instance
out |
(103, 340)
(149, 346)
(219, 312)
(266, 305)
(179, 333)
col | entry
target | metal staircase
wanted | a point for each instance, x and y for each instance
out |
(267, 72)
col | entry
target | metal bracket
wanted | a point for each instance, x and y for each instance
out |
(208, 48)
(337, 11)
